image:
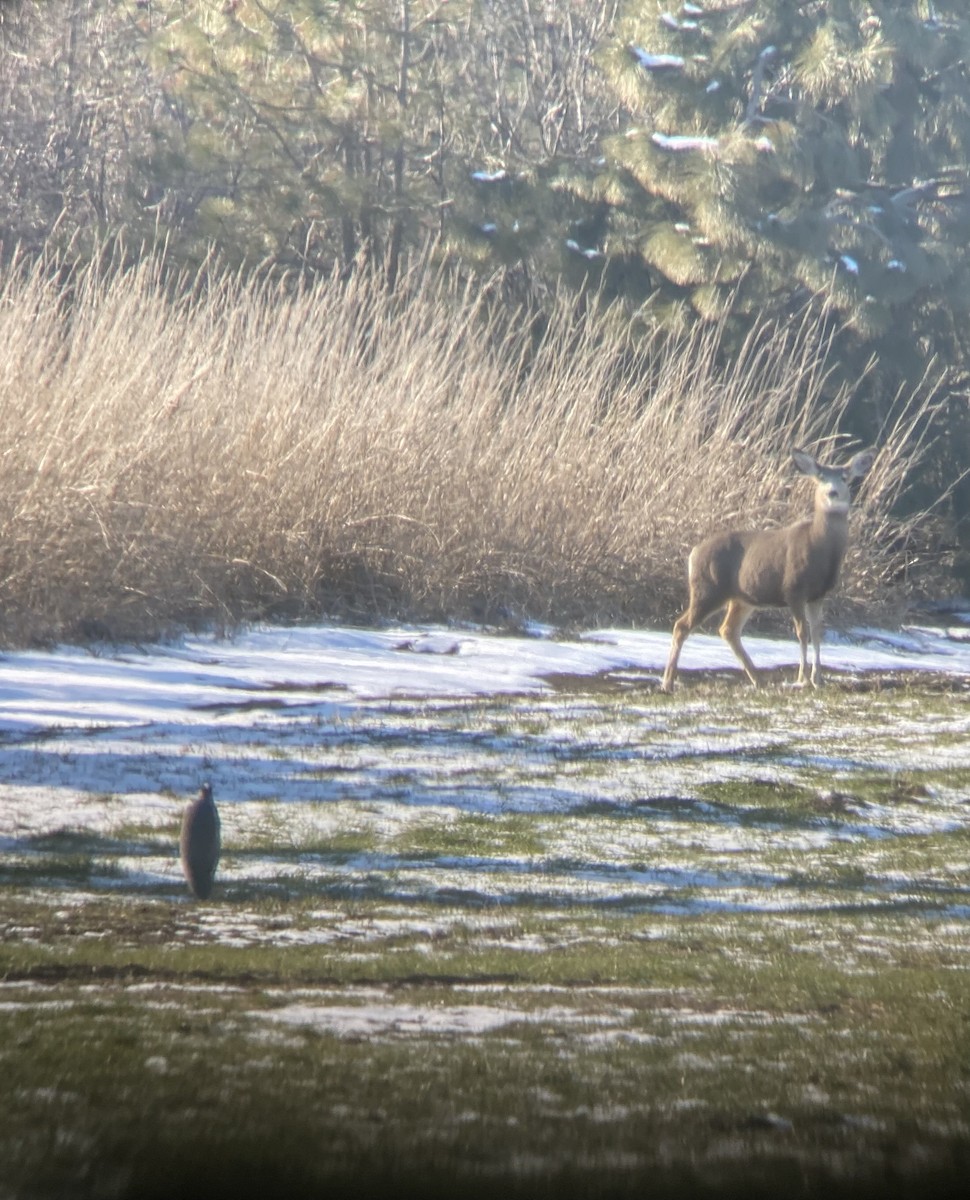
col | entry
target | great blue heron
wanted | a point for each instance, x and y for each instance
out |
(200, 843)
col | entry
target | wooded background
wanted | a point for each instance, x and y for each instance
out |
(755, 157)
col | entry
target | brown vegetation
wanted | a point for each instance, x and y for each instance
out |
(216, 449)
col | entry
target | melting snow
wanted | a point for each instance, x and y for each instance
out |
(365, 1020)
(199, 679)
(371, 722)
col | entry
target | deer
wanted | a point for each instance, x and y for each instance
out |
(794, 567)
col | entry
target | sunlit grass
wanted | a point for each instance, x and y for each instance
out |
(630, 1045)
(213, 449)
(588, 943)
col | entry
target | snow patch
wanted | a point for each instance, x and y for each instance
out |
(369, 1020)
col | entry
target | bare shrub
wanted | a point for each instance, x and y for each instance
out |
(216, 449)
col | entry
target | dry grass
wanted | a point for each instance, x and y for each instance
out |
(219, 450)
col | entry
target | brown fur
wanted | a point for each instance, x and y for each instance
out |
(795, 567)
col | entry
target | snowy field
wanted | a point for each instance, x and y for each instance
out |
(451, 855)
(367, 736)
(199, 680)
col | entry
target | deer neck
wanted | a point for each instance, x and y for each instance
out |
(831, 526)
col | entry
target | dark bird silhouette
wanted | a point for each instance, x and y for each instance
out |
(200, 843)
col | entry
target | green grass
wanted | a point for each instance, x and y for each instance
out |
(732, 1046)
(610, 946)
(497, 835)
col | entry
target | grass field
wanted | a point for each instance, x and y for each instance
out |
(595, 942)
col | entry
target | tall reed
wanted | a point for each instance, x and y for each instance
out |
(219, 449)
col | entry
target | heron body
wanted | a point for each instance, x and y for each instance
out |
(200, 843)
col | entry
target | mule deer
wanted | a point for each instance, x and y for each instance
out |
(795, 567)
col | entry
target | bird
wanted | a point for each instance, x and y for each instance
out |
(200, 843)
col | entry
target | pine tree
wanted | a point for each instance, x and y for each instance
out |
(305, 131)
(311, 131)
(536, 106)
(77, 103)
(781, 151)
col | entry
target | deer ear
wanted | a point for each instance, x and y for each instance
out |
(861, 463)
(805, 462)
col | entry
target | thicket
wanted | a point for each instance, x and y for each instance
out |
(649, 203)
(213, 448)
(762, 153)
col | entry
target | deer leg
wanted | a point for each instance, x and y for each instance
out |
(682, 627)
(734, 621)
(815, 625)
(802, 627)
(685, 624)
